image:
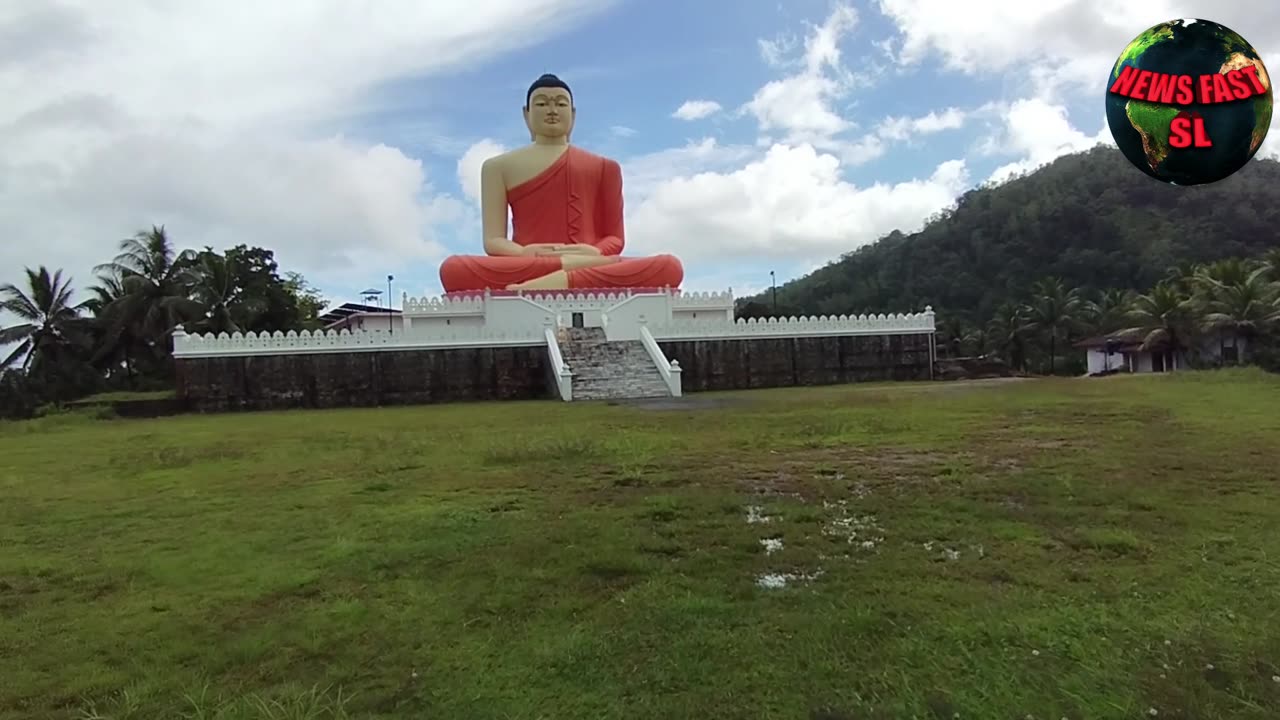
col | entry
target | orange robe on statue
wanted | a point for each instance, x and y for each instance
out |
(578, 199)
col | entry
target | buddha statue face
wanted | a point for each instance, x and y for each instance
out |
(549, 113)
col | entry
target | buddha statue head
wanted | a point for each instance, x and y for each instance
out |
(548, 109)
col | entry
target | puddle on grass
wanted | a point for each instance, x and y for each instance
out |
(951, 554)
(771, 545)
(776, 487)
(776, 581)
(863, 531)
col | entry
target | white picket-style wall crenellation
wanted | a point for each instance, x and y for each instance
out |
(703, 300)
(894, 324)
(475, 304)
(278, 343)
(471, 303)
(442, 305)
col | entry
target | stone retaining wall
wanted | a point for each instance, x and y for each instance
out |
(363, 379)
(785, 362)
(411, 377)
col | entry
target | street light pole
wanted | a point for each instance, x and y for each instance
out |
(773, 280)
(390, 315)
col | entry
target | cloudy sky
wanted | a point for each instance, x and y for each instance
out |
(754, 135)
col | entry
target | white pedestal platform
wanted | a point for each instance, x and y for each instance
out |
(574, 325)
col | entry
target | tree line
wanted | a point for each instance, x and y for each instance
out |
(1195, 307)
(120, 336)
(1199, 309)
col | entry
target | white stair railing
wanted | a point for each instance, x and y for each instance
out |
(669, 370)
(564, 378)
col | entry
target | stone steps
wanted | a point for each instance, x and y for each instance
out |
(604, 370)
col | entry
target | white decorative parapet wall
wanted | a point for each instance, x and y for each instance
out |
(563, 301)
(624, 318)
(509, 310)
(477, 302)
(443, 305)
(894, 324)
(578, 303)
(290, 343)
(694, 300)
(510, 319)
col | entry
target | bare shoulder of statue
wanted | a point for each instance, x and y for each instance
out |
(492, 171)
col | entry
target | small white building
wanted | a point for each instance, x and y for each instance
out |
(355, 317)
(1124, 351)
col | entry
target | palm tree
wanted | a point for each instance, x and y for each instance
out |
(1180, 276)
(1165, 317)
(1231, 271)
(1271, 261)
(213, 286)
(1056, 310)
(154, 280)
(1107, 312)
(116, 338)
(51, 328)
(951, 332)
(976, 341)
(1007, 334)
(109, 289)
(1245, 309)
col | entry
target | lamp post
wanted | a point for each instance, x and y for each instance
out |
(390, 315)
(773, 281)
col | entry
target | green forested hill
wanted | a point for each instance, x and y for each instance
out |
(1089, 219)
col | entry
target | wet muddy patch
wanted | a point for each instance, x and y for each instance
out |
(756, 515)
(835, 517)
(777, 581)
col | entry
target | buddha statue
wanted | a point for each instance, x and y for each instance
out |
(566, 214)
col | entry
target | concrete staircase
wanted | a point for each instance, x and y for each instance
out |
(604, 370)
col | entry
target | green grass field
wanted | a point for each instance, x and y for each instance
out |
(1073, 548)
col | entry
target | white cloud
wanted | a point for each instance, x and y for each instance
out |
(623, 131)
(804, 107)
(210, 120)
(469, 166)
(894, 130)
(644, 173)
(696, 109)
(801, 105)
(1271, 143)
(903, 128)
(775, 52)
(317, 204)
(1039, 132)
(791, 203)
(1053, 47)
(861, 151)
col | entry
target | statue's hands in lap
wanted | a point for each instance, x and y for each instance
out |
(578, 249)
(540, 249)
(560, 250)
